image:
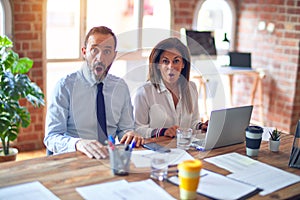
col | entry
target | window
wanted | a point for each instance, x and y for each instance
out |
(126, 17)
(68, 23)
(217, 16)
(63, 29)
(135, 23)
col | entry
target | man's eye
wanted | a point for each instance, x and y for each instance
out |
(107, 51)
(94, 51)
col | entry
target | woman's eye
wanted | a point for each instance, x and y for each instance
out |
(164, 61)
(176, 61)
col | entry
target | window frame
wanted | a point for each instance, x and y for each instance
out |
(7, 18)
(234, 19)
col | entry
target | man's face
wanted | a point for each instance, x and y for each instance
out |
(99, 54)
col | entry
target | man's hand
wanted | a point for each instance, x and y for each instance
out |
(92, 148)
(171, 132)
(130, 136)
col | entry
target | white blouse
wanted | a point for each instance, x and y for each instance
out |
(155, 109)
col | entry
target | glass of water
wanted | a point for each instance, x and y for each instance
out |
(159, 166)
(184, 138)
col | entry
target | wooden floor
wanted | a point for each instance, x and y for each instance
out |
(31, 154)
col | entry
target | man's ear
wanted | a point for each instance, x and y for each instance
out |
(83, 52)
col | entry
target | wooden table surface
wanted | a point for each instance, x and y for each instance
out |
(61, 174)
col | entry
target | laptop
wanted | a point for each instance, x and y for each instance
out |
(225, 127)
(240, 59)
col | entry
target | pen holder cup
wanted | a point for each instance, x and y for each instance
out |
(119, 160)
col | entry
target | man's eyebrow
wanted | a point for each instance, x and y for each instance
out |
(99, 45)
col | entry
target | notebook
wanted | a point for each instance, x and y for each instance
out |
(225, 127)
(240, 59)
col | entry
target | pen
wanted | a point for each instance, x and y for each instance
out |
(132, 145)
(111, 138)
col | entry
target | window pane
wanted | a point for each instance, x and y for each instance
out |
(122, 16)
(63, 29)
(156, 22)
(215, 15)
(119, 16)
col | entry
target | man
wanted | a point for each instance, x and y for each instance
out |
(73, 121)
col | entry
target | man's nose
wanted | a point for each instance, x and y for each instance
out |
(99, 55)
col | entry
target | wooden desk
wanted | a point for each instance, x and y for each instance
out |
(256, 74)
(61, 174)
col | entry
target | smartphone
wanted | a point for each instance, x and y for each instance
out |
(156, 147)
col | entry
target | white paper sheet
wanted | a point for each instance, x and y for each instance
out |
(217, 186)
(122, 190)
(143, 158)
(27, 191)
(253, 172)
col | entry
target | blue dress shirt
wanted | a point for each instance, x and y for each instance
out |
(72, 111)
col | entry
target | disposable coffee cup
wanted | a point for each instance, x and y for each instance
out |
(189, 177)
(253, 140)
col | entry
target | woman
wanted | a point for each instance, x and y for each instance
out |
(168, 99)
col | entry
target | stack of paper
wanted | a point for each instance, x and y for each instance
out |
(253, 172)
(123, 190)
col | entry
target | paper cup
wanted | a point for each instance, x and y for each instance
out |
(189, 177)
(253, 140)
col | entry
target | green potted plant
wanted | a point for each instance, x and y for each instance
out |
(274, 141)
(14, 85)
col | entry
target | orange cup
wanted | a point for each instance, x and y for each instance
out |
(189, 177)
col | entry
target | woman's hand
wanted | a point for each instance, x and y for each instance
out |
(130, 136)
(171, 132)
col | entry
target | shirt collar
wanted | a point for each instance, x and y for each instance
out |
(162, 88)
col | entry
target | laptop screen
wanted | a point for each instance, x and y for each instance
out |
(239, 59)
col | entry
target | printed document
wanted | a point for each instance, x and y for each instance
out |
(248, 170)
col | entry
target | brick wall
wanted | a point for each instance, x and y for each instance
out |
(28, 35)
(277, 52)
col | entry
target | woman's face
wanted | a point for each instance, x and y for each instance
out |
(170, 66)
